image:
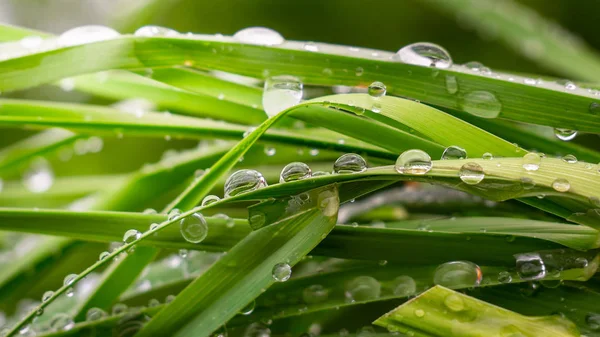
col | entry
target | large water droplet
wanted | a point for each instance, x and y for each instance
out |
(61, 322)
(362, 288)
(531, 161)
(151, 31)
(281, 93)
(86, 34)
(193, 228)
(413, 162)
(530, 266)
(94, 314)
(454, 152)
(349, 163)
(404, 286)
(565, 134)
(210, 199)
(282, 272)
(315, 293)
(481, 104)
(131, 235)
(377, 89)
(561, 185)
(424, 54)
(458, 274)
(294, 171)
(243, 181)
(259, 36)
(39, 177)
(471, 173)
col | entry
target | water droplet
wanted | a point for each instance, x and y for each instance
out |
(419, 313)
(69, 279)
(454, 152)
(359, 71)
(152, 31)
(294, 171)
(504, 277)
(39, 177)
(403, 286)
(94, 314)
(153, 227)
(529, 81)
(150, 211)
(193, 228)
(282, 272)
(362, 288)
(169, 298)
(451, 84)
(571, 159)
(311, 46)
(458, 274)
(377, 89)
(561, 185)
(243, 181)
(314, 152)
(210, 199)
(487, 156)
(119, 309)
(103, 256)
(61, 322)
(593, 321)
(481, 104)
(315, 293)
(86, 34)
(594, 108)
(567, 84)
(47, 295)
(259, 36)
(327, 72)
(530, 266)
(531, 161)
(527, 183)
(454, 302)
(413, 162)
(248, 309)
(257, 219)
(565, 134)
(281, 93)
(349, 163)
(474, 66)
(471, 173)
(424, 54)
(270, 151)
(174, 214)
(183, 253)
(131, 235)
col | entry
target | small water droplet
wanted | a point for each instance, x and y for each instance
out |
(530, 266)
(320, 173)
(362, 288)
(259, 36)
(424, 54)
(94, 314)
(561, 185)
(294, 171)
(419, 313)
(174, 214)
(311, 46)
(150, 211)
(153, 31)
(183, 253)
(359, 71)
(504, 277)
(86, 34)
(315, 293)
(594, 108)
(248, 309)
(458, 274)
(314, 152)
(47, 295)
(281, 272)
(103, 256)
(243, 181)
(451, 84)
(567, 84)
(471, 173)
(571, 159)
(481, 104)
(153, 227)
(270, 151)
(565, 134)
(593, 321)
(210, 199)
(413, 162)
(377, 89)
(119, 309)
(349, 163)
(487, 156)
(68, 280)
(454, 152)
(531, 161)
(474, 66)
(131, 236)
(454, 302)
(169, 298)
(527, 183)
(39, 177)
(404, 286)
(61, 322)
(281, 93)
(193, 228)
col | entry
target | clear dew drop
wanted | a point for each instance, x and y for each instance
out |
(243, 181)
(39, 177)
(154, 31)
(174, 214)
(193, 228)
(561, 185)
(119, 308)
(404, 286)
(295, 171)
(568, 85)
(362, 288)
(270, 151)
(530, 266)
(377, 89)
(68, 280)
(571, 159)
(424, 54)
(210, 199)
(458, 274)
(259, 36)
(47, 295)
(504, 277)
(413, 162)
(61, 322)
(94, 314)
(169, 298)
(481, 104)
(103, 255)
(474, 66)
(131, 235)
(454, 302)
(281, 272)
(594, 108)
(281, 93)
(311, 46)
(565, 134)
(359, 71)
(183, 253)
(471, 173)
(454, 152)
(349, 163)
(527, 183)
(86, 34)
(315, 293)
(487, 156)
(531, 161)
(153, 227)
(451, 84)
(248, 309)
(150, 211)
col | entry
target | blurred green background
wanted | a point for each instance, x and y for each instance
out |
(381, 24)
